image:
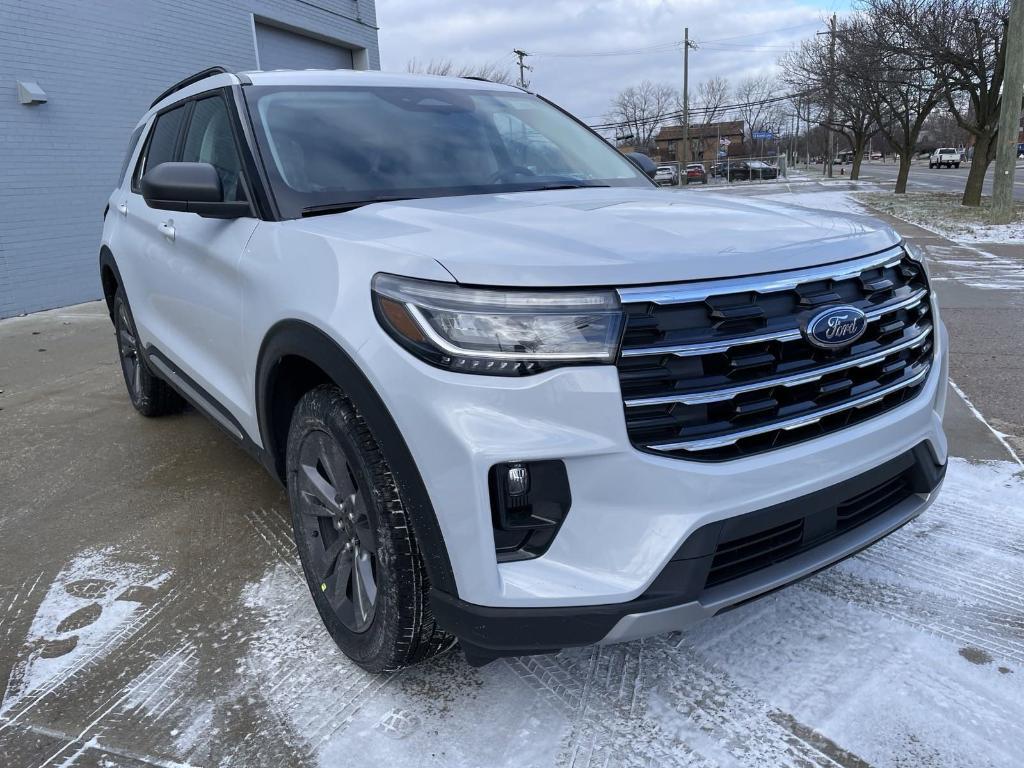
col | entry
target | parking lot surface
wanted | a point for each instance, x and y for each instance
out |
(152, 610)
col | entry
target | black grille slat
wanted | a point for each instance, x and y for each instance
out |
(737, 557)
(748, 341)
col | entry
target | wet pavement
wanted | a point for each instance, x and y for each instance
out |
(152, 610)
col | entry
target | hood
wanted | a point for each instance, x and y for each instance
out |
(609, 236)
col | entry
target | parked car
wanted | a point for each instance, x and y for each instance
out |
(947, 156)
(695, 174)
(667, 175)
(748, 170)
(513, 400)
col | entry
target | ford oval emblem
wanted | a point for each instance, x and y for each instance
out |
(835, 327)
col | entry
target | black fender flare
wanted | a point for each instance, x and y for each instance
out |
(301, 339)
(107, 261)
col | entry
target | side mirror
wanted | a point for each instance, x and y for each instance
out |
(190, 187)
(644, 163)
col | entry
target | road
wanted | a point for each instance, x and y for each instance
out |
(925, 179)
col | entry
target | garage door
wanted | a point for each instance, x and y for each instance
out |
(283, 49)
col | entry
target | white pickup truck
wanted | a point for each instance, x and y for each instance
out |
(945, 156)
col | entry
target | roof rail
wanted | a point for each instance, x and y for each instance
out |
(208, 72)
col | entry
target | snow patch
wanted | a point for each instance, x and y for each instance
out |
(89, 601)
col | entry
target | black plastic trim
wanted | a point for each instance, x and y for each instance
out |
(487, 633)
(300, 339)
(203, 401)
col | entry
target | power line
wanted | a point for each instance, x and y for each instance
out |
(704, 110)
(656, 48)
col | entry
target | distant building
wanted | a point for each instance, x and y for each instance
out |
(706, 141)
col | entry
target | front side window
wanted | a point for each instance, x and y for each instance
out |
(162, 142)
(209, 139)
(332, 145)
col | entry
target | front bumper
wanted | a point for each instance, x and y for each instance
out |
(630, 511)
(679, 597)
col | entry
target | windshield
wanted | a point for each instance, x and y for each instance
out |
(326, 146)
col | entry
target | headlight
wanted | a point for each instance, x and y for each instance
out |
(498, 332)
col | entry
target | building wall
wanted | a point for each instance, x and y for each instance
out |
(101, 63)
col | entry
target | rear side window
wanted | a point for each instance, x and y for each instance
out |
(210, 140)
(162, 141)
(131, 150)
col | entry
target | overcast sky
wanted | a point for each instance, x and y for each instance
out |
(736, 38)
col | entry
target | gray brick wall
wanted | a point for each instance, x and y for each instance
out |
(101, 63)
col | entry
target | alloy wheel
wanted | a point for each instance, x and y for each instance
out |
(336, 524)
(128, 347)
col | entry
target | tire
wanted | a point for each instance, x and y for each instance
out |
(956, 165)
(360, 556)
(930, 166)
(150, 395)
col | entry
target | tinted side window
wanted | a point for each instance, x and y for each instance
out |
(162, 142)
(210, 140)
(131, 149)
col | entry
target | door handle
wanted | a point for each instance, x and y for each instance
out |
(167, 230)
(122, 208)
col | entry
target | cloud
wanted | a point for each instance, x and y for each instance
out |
(735, 40)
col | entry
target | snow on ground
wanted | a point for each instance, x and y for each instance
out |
(910, 654)
(941, 213)
(87, 604)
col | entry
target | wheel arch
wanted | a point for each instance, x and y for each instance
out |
(110, 278)
(296, 356)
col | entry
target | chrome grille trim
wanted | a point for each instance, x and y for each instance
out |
(699, 291)
(721, 370)
(705, 444)
(805, 377)
(711, 347)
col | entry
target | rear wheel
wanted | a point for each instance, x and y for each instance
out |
(150, 395)
(359, 554)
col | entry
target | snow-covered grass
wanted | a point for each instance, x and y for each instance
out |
(942, 213)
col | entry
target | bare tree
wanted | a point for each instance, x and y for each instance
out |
(900, 89)
(641, 109)
(966, 41)
(756, 104)
(491, 71)
(809, 70)
(712, 97)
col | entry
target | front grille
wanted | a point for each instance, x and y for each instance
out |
(717, 370)
(740, 556)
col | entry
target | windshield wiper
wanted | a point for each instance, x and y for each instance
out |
(564, 185)
(350, 205)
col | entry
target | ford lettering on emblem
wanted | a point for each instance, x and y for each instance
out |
(835, 327)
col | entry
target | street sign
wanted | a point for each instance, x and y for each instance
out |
(723, 153)
(762, 135)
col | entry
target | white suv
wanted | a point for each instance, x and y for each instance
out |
(514, 400)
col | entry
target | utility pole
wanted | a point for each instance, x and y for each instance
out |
(1009, 117)
(830, 136)
(523, 67)
(686, 93)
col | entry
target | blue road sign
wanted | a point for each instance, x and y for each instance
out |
(762, 135)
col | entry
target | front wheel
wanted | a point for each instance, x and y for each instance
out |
(359, 554)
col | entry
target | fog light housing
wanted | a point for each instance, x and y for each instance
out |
(529, 502)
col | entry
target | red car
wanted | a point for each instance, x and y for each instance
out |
(695, 173)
